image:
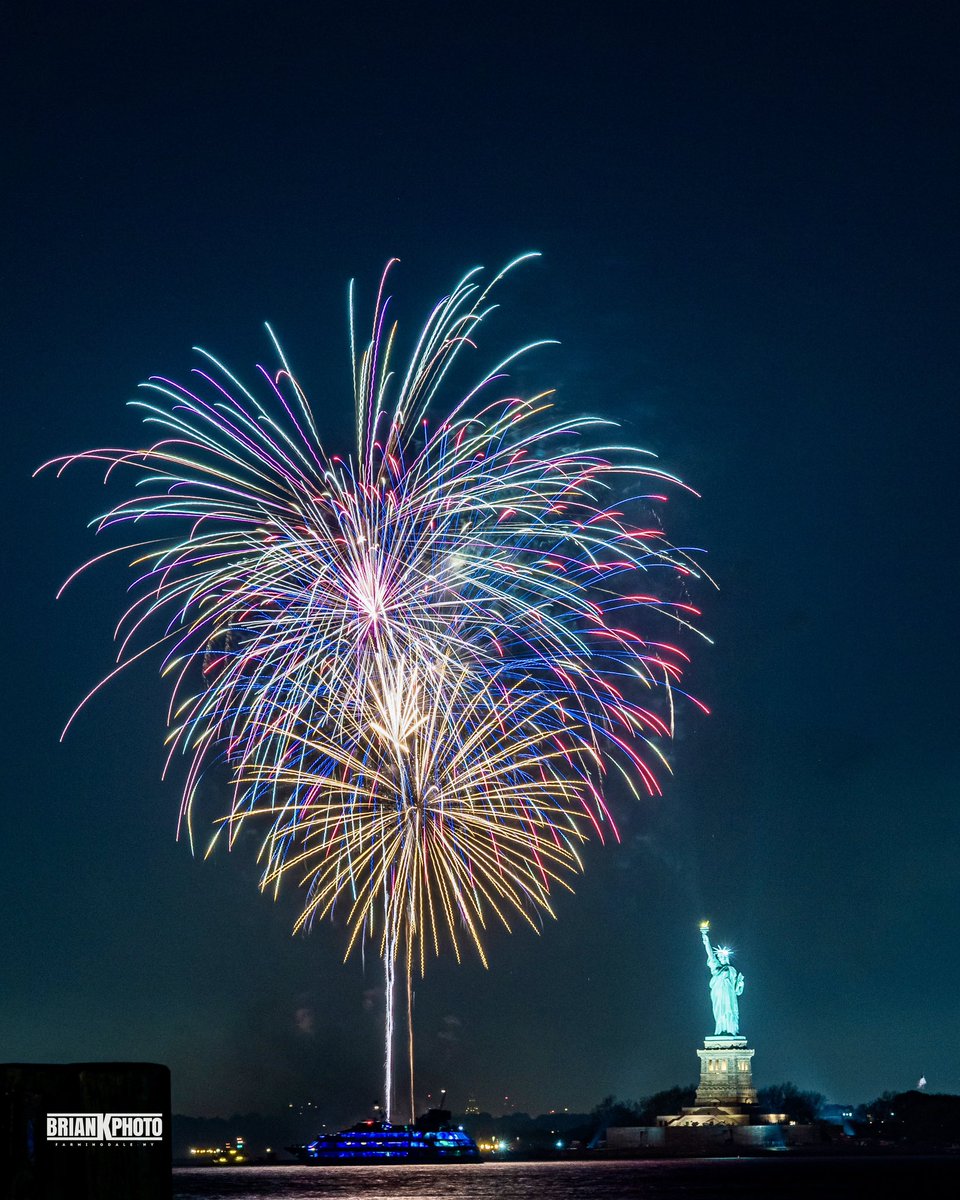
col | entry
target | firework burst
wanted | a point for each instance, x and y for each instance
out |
(489, 536)
(419, 660)
(452, 802)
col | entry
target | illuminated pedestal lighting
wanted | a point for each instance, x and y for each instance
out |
(726, 1074)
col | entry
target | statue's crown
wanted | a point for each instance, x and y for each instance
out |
(723, 953)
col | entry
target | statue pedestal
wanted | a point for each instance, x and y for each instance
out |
(726, 1073)
(726, 1095)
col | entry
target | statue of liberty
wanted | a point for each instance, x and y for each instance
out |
(726, 984)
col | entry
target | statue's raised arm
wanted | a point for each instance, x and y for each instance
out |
(711, 957)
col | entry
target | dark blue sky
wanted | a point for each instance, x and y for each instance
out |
(748, 215)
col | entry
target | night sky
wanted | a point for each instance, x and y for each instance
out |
(748, 220)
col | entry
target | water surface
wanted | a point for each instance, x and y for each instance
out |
(700, 1179)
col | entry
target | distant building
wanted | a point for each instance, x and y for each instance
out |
(230, 1154)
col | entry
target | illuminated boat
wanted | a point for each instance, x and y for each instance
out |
(431, 1140)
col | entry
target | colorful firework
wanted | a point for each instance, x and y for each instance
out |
(450, 802)
(420, 659)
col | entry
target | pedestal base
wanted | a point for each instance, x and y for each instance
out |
(726, 1073)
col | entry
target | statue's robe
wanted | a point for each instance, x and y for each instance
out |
(726, 984)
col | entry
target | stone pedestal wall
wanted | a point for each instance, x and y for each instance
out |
(726, 1072)
(678, 1140)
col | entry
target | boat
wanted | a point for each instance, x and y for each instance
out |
(432, 1139)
